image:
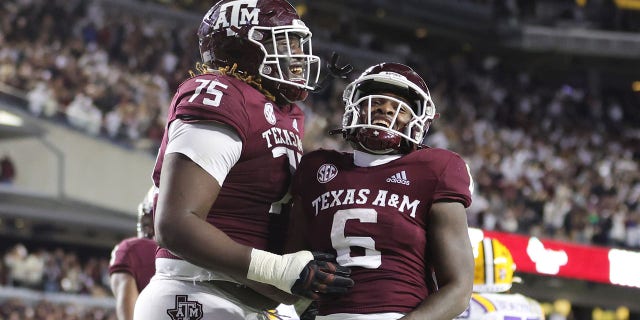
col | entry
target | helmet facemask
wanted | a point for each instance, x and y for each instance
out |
(288, 65)
(144, 225)
(401, 132)
(379, 131)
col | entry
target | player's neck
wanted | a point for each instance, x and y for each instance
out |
(363, 159)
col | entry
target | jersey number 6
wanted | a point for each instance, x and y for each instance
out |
(372, 258)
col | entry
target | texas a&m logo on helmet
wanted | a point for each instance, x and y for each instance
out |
(235, 13)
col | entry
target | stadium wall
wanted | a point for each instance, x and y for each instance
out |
(70, 164)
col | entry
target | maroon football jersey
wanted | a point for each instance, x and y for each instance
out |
(135, 256)
(373, 219)
(257, 186)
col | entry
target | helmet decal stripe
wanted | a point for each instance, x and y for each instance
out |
(488, 261)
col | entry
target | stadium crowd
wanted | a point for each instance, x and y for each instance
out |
(601, 15)
(552, 158)
(17, 309)
(53, 271)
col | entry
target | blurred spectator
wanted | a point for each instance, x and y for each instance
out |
(84, 115)
(3, 274)
(42, 101)
(632, 239)
(53, 272)
(71, 281)
(15, 260)
(7, 170)
(17, 309)
(34, 269)
(56, 271)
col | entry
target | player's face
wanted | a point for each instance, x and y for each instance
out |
(385, 112)
(292, 45)
(286, 47)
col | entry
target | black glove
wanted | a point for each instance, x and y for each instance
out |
(321, 276)
(338, 71)
(334, 71)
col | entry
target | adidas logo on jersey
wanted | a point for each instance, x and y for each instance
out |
(400, 177)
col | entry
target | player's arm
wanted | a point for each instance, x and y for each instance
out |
(125, 291)
(298, 228)
(450, 249)
(297, 240)
(187, 192)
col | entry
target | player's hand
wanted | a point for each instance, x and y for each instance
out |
(338, 71)
(322, 276)
(334, 71)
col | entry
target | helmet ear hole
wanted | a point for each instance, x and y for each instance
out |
(417, 132)
(257, 36)
(347, 119)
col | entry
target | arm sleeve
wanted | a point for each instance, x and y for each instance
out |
(120, 259)
(455, 183)
(213, 146)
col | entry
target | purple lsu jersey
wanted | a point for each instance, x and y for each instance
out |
(257, 186)
(374, 220)
(135, 256)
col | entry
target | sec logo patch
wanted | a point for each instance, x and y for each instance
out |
(327, 172)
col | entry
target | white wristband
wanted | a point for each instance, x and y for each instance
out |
(276, 270)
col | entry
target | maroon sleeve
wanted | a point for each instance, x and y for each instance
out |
(121, 259)
(135, 256)
(454, 183)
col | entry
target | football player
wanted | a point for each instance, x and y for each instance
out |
(232, 141)
(393, 210)
(492, 280)
(132, 261)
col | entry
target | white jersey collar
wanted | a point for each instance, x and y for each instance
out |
(363, 159)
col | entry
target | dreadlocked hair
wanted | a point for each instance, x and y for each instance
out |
(201, 68)
(256, 82)
(253, 81)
